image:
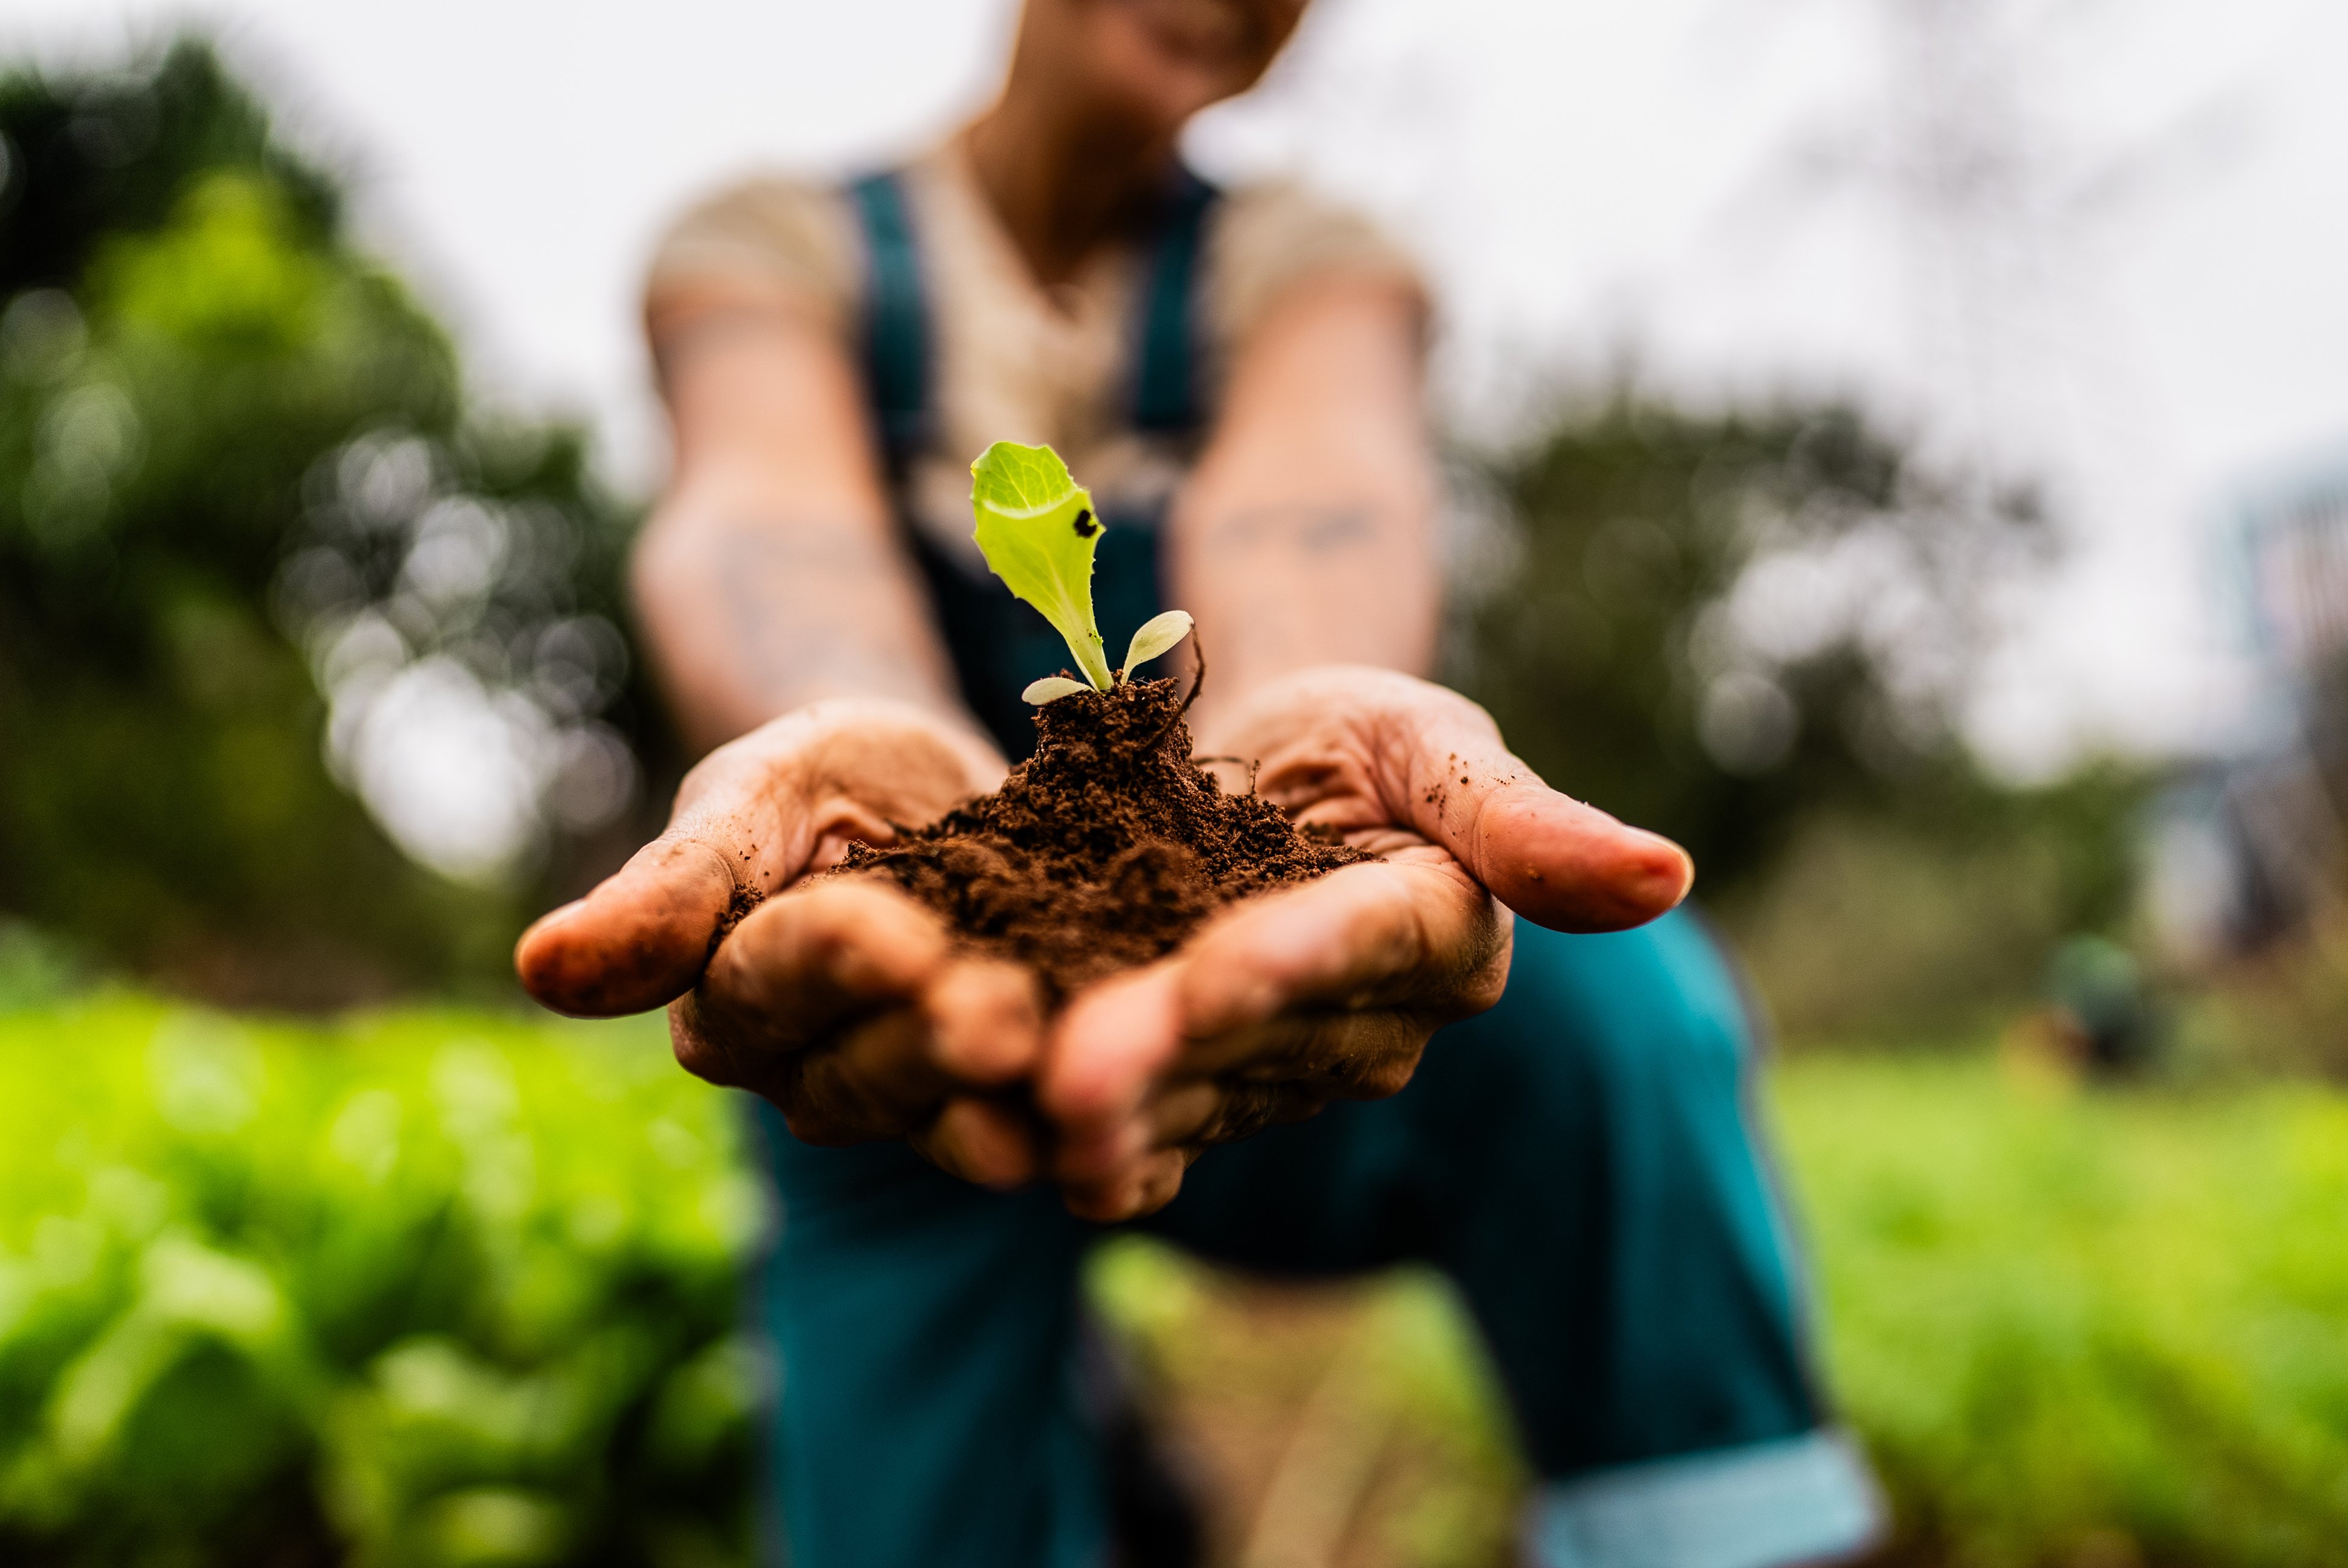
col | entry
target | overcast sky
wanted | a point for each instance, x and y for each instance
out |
(2100, 239)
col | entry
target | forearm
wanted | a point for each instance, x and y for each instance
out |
(771, 575)
(1288, 576)
(1306, 536)
(755, 605)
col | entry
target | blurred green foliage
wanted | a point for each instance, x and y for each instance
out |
(443, 1288)
(94, 155)
(423, 1289)
(186, 342)
(2281, 1009)
(1955, 898)
(2106, 1327)
(1713, 625)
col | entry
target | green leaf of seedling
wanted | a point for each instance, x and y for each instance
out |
(1051, 687)
(1038, 529)
(1158, 634)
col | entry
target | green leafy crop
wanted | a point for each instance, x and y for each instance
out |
(1038, 530)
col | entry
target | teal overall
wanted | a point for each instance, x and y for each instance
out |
(1582, 1160)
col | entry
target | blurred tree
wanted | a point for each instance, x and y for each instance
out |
(195, 368)
(88, 158)
(1711, 625)
(1755, 631)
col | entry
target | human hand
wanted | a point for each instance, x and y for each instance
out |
(840, 1001)
(1331, 989)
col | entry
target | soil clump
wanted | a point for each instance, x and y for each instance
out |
(1103, 849)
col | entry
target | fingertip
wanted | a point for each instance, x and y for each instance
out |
(987, 1020)
(1671, 873)
(1100, 1055)
(1573, 867)
(1218, 1001)
(867, 940)
(983, 1143)
(1235, 976)
(1354, 929)
(1638, 878)
(885, 942)
(537, 955)
(1093, 1154)
(1099, 1207)
(1149, 1185)
(1160, 1183)
(601, 957)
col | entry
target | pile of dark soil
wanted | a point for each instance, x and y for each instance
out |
(1103, 850)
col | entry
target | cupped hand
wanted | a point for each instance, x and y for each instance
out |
(843, 1002)
(1330, 990)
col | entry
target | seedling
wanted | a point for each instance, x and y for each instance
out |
(1038, 529)
(1104, 850)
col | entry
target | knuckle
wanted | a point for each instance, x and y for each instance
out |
(679, 852)
(695, 1057)
(810, 1118)
(1384, 1080)
(1483, 990)
(702, 1045)
(1386, 1056)
(1249, 1108)
(689, 1038)
(810, 1128)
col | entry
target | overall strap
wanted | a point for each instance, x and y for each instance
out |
(1165, 379)
(1166, 390)
(896, 318)
(997, 643)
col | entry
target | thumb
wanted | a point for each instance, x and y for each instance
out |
(1550, 857)
(640, 939)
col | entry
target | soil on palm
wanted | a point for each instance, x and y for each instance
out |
(1103, 849)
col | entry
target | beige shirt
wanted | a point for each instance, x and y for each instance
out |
(1013, 360)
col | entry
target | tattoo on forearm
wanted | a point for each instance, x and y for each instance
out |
(1296, 583)
(807, 609)
(1313, 530)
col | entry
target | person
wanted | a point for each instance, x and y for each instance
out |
(1559, 1120)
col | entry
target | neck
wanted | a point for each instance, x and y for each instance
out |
(1063, 183)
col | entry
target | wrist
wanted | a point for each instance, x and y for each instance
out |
(814, 725)
(1269, 710)
(891, 760)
